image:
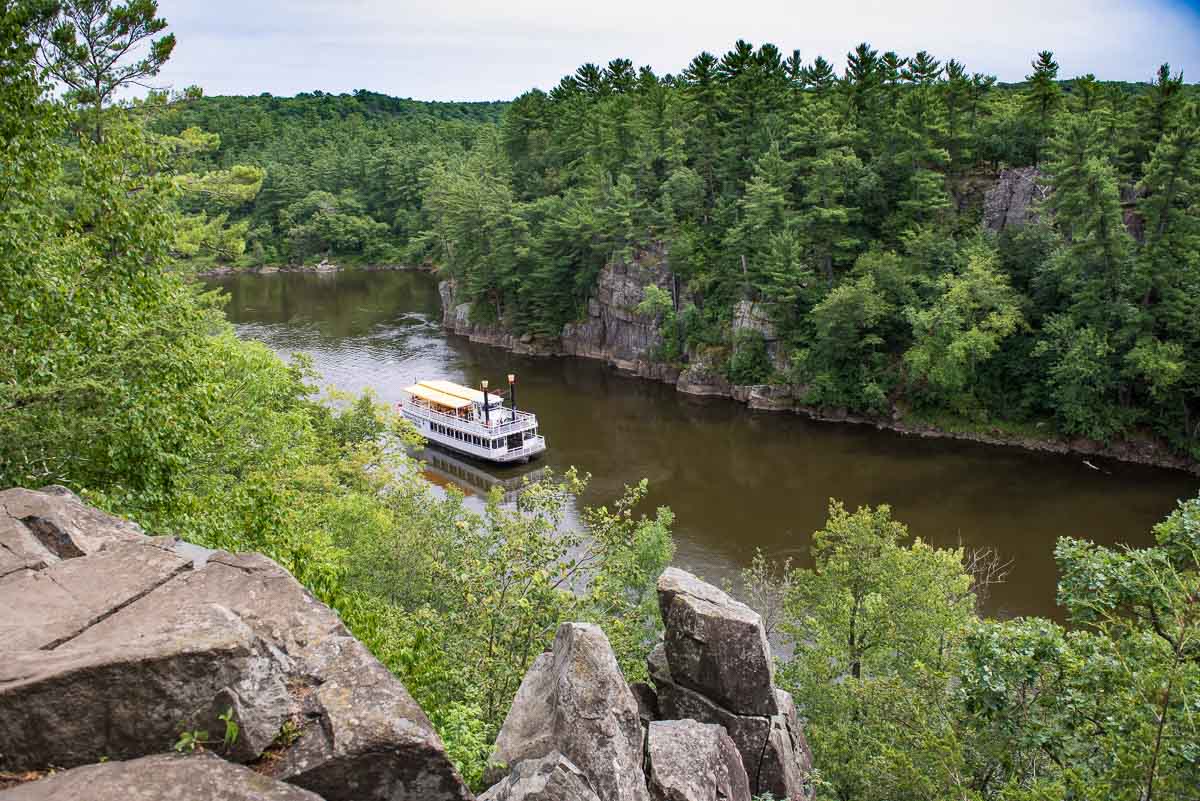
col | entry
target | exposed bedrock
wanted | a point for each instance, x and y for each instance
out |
(690, 761)
(715, 666)
(154, 778)
(113, 644)
(1012, 201)
(551, 778)
(574, 701)
(612, 330)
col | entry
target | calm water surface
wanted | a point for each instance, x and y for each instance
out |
(737, 480)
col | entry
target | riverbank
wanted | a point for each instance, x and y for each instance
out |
(322, 267)
(616, 334)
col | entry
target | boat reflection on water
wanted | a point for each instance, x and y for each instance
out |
(474, 478)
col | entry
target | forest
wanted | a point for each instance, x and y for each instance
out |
(848, 204)
(121, 379)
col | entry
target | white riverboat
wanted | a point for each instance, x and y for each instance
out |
(474, 422)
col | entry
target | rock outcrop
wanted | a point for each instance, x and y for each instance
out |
(154, 778)
(713, 726)
(715, 666)
(575, 701)
(704, 378)
(755, 317)
(1013, 200)
(113, 643)
(716, 645)
(551, 778)
(613, 330)
(690, 761)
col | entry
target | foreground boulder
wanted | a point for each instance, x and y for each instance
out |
(695, 674)
(716, 645)
(690, 761)
(113, 644)
(551, 778)
(575, 701)
(201, 776)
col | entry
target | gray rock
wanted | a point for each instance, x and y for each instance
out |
(116, 652)
(613, 329)
(647, 701)
(157, 778)
(691, 761)
(704, 377)
(1013, 200)
(551, 778)
(134, 695)
(574, 700)
(62, 525)
(716, 645)
(774, 752)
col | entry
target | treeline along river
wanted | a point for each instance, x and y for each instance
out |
(737, 480)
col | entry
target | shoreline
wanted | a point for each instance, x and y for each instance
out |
(777, 398)
(323, 267)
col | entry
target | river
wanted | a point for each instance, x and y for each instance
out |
(736, 479)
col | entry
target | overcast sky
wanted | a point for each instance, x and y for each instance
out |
(496, 49)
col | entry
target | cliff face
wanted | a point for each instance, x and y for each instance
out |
(612, 331)
(1012, 200)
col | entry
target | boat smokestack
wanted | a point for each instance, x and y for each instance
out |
(512, 391)
(486, 420)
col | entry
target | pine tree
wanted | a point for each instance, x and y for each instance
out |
(1154, 116)
(819, 76)
(1094, 269)
(1043, 99)
(87, 46)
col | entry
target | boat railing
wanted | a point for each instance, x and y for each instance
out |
(519, 421)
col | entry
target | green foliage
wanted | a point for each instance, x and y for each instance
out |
(963, 328)
(877, 627)
(750, 362)
(908, 695)
(367, 152)
(191, 741)
(232, 729)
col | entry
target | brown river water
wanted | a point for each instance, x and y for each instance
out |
(736, 479)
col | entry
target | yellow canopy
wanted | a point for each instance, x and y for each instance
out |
(459, 391)
(434, 395)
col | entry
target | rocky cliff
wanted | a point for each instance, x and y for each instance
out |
(1012, 201)
(713, 727)
(116, 647)
(113, 644)
(612, 331)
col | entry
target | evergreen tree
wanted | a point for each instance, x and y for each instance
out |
(1042, 100)
(87, 45)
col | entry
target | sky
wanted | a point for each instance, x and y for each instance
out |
(497, 49)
